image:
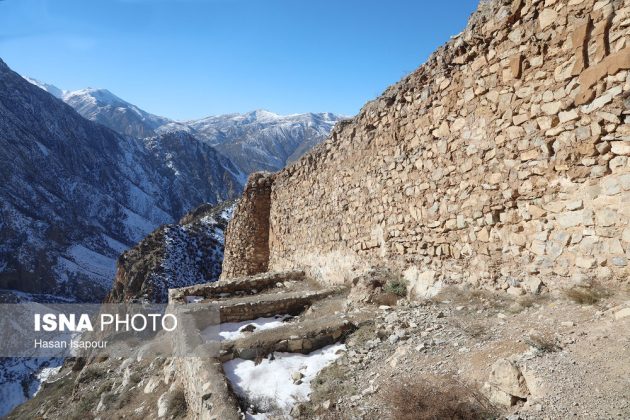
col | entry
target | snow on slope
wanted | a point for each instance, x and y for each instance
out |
(102, 106)
(53, 90)
(21, 379)
(174, 255)
(263, 140)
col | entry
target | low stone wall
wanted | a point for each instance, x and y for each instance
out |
(207, 391)
(500, 162)
(248, 284)
(294, 303)
(292, 338)
(198, 367)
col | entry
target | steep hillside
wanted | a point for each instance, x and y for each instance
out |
(74, 194)
(172, 256)
(502, 162)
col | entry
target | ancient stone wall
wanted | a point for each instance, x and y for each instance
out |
(247, 236)
(501, 162)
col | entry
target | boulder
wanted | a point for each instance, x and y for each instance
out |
(422, 284)
(507, 377)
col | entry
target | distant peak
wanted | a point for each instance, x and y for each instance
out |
(99, 95)
(93, 92)
(263, 113)
(53, 90)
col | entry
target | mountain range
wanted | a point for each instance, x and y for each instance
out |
(86, 175)
(75, 194)
(96, 192)
(256, 141)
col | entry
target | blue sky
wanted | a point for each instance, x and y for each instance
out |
(187, 59)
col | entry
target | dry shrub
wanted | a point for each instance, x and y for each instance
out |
(263, 405)
(542, 343)
(442, 398)
(458, 296)
(388, 299)
(91, 373)
(586, 295)
(473, 329)
(379, 285)
(396, 287)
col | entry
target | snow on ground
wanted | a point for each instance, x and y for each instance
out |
(117, 246)
(233, 330)
(93, 262)
(21, 378)
(272, 380)
(46, 373)
(81, 260)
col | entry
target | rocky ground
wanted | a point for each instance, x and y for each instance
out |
(564, 359)
(109, 389)
(461, 354)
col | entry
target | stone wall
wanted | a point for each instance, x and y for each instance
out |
(247, 236)
(501, 162)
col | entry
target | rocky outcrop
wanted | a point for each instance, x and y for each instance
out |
(172, 256)
(506, 383)
(503, 158)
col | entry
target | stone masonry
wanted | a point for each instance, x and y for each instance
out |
(502, 161)
(247, 237)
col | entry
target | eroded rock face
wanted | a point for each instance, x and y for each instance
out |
(504, 157)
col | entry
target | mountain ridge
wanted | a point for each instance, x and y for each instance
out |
(255, 141)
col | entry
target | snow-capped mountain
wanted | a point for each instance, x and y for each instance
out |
(53, 90)
(75, 194)
(262, 140)
(258, 140)
(102, 106)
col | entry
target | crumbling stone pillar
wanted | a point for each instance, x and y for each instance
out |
(247, 235)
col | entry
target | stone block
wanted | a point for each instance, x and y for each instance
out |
(547, 17)
(621, 148)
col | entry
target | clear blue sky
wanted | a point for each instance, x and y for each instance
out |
(187, 59)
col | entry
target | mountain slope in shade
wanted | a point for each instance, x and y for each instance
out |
(256, 141)
(74, 194)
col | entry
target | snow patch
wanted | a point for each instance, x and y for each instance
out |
(271, 380)
(234, 330)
